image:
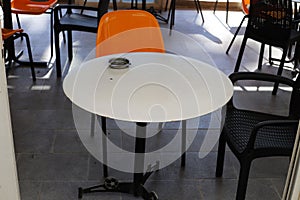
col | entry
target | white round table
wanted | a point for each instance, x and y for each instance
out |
(156, 87)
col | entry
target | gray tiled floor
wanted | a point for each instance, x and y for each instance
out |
(52, 162)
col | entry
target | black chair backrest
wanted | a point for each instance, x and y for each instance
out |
(102, 8)
(270, 19)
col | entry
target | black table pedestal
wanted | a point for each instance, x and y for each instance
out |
(137, 186)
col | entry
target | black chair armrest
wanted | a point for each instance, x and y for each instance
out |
(237, 76)
(260, 77)
(273, 123)
(71, 6)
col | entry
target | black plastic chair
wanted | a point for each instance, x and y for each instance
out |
(251, 134)
(74, 21)
(270, 22)
(13, 34)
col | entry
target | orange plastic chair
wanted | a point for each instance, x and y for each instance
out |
(34, 8)
(245, 6)
(17, 33)
(124, 31)
(128, 31)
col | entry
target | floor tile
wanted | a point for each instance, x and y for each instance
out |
(52, 167)
(68, 143)
(34, 142)
(30, 190)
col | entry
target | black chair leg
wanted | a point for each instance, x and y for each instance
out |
(270, 55)
(289, 54)
(19, 24)
(215, 7)
(57, 52)
(227, 10)
(29, 55)
(60, 14)
(84, 3)
(296, 57)
(196, 5)
(70, 45)
(243, 179)
(261, 56)
(238, 62)
(236, 33)
(280, 69)
(221, 155)
(115, 6)
(200, 9)
(18, 21)
(166, 6)
(51, 32)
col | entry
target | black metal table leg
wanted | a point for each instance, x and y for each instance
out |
(139, 178)
(104, 144)
(140, 145)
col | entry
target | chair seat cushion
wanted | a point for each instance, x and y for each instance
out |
(239, 125)
(82, 21)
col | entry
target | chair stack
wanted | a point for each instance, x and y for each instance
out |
(271, 23)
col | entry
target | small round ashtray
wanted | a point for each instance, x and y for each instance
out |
(119, 63)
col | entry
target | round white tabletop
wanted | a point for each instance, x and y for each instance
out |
(157, 87)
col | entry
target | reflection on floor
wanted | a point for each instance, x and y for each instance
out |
(52, 162)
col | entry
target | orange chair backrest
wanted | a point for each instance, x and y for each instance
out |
(128, 31)
(245, 6)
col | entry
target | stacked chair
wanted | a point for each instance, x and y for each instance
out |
(270, 22)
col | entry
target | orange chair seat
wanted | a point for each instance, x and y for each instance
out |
(49, 3)
(6, 33)
(31, 7)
